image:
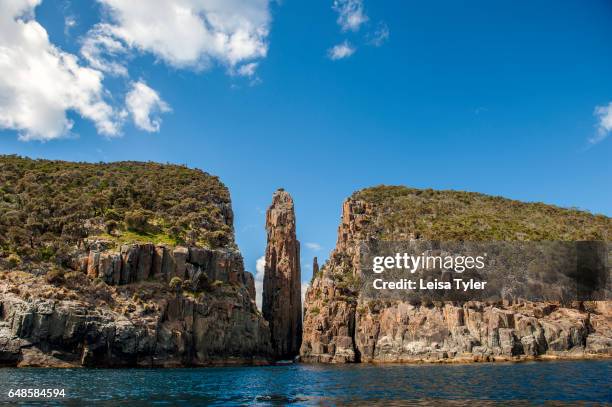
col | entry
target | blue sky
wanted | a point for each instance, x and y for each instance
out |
(507, 98)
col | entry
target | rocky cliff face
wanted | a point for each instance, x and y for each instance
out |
(281, 301)
(144, 305)
(123, 264)
(131, 263)
(341, 327)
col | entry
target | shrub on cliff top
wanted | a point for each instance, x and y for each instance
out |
(52, 203)
(176, 283)
(55, 276)
(399, 212)
(13, 260)
(137, 220)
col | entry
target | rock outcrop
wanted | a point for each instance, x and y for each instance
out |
(341, 326)
(281, 301)
(122, 264)
(401, 332)
(177, 331)
(141, 262)
(122, 312)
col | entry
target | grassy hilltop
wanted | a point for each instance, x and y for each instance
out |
(48, 206)
(457, 215)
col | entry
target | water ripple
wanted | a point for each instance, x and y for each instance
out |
(559, 383)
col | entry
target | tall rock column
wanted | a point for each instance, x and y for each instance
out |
(281, 302)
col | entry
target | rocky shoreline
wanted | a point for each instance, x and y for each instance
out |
(140, 325)
(88, 296)
(341, 326)
(155, 305)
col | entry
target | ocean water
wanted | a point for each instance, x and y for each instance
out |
(550, 383)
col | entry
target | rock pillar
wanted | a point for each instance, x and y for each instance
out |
(281, 305)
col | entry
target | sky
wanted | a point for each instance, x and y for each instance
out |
(321, 97)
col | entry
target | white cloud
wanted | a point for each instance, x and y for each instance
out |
(351, 17)
(248, 69)
(102, 52)
(260, 266)
(39, 83)
(604, 123)
(69, 23)
(313, 246)
(379, 36)
(191, 33)
(340, 51)
(143, 103)
(350, 14)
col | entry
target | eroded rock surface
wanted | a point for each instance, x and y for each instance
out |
(176, 331)
(84, 280)
(341, 327)
(281, 301)
(132, 317)
(141, 262)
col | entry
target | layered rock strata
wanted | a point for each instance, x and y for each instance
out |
(176, 331)
(342, 327)
(83, 281)
(121, 311)
(281, 303)
(141, 262)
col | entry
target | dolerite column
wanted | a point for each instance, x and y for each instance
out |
(281, 302)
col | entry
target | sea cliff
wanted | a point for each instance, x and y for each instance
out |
(122, 264)
(341, 326)
(135, 264)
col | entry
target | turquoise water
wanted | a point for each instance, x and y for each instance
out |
(566, 382)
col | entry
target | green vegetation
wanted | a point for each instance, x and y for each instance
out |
(129, 236)
(347, 281)
(55, 276)
(398, 212)
(361, 309)
(48, 207)
(175, 283)
(13, 260)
